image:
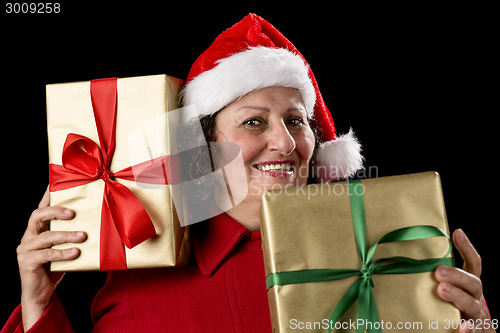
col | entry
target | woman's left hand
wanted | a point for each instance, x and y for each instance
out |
(463, 287)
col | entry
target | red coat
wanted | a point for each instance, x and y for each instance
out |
(223, 291)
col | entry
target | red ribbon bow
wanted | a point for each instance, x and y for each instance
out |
(123, 218)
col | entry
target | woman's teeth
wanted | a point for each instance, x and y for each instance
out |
(274, 167)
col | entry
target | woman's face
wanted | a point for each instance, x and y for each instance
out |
(270, 126)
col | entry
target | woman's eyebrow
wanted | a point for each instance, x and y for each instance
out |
(266, 109)
(259, 108)
(296, 108)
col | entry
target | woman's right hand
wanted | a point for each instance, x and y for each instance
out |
(34, 255)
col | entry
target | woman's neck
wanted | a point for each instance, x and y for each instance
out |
(247, 214)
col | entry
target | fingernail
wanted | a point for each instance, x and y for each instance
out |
(79, 233)
(446, 287)
(67, 211)
(444, 271)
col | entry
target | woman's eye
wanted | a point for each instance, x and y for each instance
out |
(296, 122)
(252, 122)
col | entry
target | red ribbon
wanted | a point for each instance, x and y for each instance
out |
(123, 219)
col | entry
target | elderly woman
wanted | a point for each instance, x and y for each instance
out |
(254, 89)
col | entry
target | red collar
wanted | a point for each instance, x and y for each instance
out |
(213, 241)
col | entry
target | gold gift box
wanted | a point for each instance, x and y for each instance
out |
(141, 135)
(312, 228)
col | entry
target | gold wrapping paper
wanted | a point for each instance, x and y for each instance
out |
(312, 228)
(141, 135)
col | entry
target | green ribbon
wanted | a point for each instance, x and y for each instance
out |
(361, 290)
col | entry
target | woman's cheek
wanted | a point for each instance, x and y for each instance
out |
(305, 147)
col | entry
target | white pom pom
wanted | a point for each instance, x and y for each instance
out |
(339, 159)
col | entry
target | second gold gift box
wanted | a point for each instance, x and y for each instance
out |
(324, 268)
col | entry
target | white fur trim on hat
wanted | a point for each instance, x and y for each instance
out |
(247, 71)
(339, 159)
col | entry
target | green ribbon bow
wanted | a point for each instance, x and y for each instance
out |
(361, 290)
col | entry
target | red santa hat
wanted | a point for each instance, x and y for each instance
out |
(252, 55)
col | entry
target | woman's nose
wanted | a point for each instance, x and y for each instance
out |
(281, 140)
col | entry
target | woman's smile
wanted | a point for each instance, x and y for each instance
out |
(276, 169)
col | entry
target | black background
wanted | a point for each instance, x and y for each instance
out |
(415, 82)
